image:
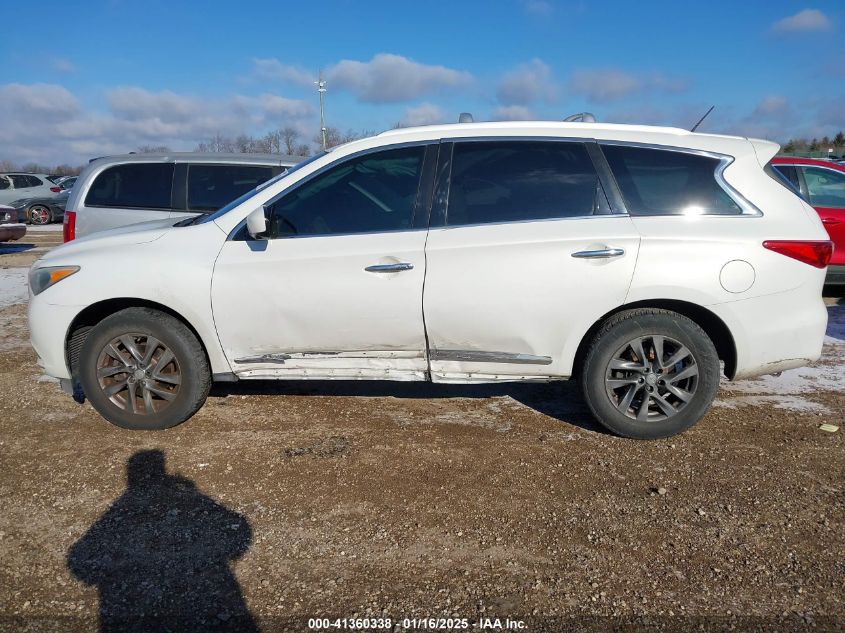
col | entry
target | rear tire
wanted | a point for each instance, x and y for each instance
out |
(143, 369)
(650, 374)
(39, 215)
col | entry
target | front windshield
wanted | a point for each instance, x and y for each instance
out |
(202, 219)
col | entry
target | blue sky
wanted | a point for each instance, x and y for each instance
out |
(90, 78)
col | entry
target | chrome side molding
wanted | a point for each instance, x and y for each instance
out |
(472, 356)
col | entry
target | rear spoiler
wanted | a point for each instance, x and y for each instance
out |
(765, 150)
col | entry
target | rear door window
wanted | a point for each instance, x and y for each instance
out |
(211, 187)
(667, 182)
(513, 181)
(34, 181)
(790, 173)
(134, 185)
(825, 187)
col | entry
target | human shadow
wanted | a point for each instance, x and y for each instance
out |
(160, 555)
(560, 400)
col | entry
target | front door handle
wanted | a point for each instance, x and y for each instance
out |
(602, 253)
(830, 221)
(389, 268)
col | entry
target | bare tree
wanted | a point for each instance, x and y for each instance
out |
(289, 140)
(153, 149)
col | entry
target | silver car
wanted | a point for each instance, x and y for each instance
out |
(119, 190)
(14, 186)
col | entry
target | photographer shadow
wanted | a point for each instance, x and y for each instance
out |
(160, 556)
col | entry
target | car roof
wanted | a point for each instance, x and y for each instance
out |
(642, 134)
(23, 173)
(279, 160)
(800, 160)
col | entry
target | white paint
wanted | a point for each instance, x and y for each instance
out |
(737, 276)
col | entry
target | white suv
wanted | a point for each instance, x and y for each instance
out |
(636, 259)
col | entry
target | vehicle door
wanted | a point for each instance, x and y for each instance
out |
(523, 255)
(335, 291)
(826, 191)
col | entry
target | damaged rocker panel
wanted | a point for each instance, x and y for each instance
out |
(472, 356)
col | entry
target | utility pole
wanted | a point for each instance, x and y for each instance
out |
(321, 88)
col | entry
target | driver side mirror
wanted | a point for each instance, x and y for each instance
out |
(256, 224)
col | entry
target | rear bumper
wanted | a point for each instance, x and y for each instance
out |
(776, 332)
(11, 232)
(835, 276)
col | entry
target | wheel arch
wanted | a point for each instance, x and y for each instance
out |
(96, 312)
(713, 326)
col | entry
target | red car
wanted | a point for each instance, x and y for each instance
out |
(822, 184)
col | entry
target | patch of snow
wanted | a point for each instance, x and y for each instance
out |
(794, 403)
(46, 228)
(13, 286)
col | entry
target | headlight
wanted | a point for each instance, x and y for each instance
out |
(42, 278)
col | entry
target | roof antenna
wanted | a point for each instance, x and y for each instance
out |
(695, 127)
(465, 117)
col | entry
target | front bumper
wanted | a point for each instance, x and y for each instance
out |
(835, 276)
(11, 232)
(48, 328)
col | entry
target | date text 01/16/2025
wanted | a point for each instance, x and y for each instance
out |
(420, 624)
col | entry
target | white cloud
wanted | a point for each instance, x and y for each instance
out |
(513, 113)
(610, 84)
(271, 69)
(527, 83)
(423, 114)
(389, 78)
(806, 21)
(45, 123)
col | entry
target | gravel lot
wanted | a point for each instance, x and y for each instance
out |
(281, 502)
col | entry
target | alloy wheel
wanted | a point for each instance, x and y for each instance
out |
(651, 378)
(39, 214)
(139, 373)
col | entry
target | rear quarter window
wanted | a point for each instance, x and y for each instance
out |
(135, 185)
(668, 182)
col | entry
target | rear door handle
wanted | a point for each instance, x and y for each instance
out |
(389, 268)
(602, 253)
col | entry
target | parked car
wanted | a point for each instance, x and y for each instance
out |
(16, 186)
(822, 184)
(633, 258)
(120, 190)
(67, 182)
(10, 227)
(41, 211)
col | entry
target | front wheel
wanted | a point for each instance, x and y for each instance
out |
(650, 374)
(143, 369)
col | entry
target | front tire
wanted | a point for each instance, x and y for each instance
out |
(650, 374)
(143, 369)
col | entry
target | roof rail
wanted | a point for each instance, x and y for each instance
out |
(581, 117)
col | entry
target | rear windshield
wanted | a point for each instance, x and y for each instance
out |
(668, 182)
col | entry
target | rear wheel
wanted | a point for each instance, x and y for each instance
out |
(144, 369)
(40, 214)
(650, 374)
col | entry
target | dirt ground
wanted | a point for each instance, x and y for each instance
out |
(282, 502)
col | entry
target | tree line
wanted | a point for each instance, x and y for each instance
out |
(799, 145)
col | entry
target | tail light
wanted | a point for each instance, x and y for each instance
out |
(69, 226)
(56, 189)
(815, 253)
